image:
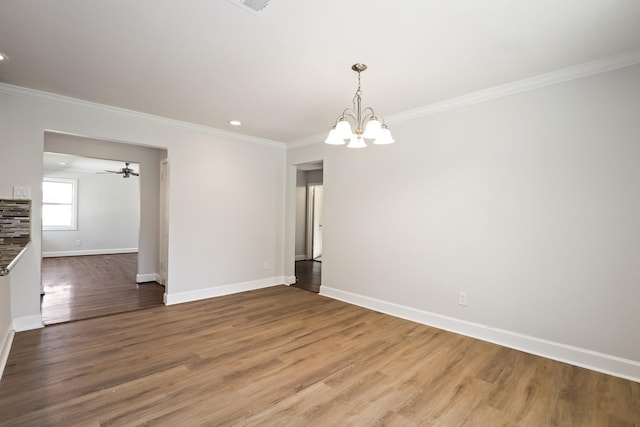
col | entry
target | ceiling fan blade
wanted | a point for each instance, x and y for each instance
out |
(125, 171)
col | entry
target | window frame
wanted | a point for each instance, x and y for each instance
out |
(73, 204)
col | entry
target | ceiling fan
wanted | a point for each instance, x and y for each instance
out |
(126, 171)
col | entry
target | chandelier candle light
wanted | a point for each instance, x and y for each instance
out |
(365, 119)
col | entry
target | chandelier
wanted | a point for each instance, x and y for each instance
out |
(366, 123)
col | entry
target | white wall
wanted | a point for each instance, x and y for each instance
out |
(5, 308)
(108, 216)
(529, 203)
(6, 329)
(301, 215)
(226, 193)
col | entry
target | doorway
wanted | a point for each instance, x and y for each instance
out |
(309, 226)
(314, 224)
(110, 262)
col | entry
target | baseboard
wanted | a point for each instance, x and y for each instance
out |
(301, 257)
(89, 252)
(584, 358)
(217, 291)
(149, 277)
(290, 280)
(5, 348)
(27, 323)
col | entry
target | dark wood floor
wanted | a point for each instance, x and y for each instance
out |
(83, 287)
(309, 275)
(281, 356)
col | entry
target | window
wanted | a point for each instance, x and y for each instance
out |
(59, 207)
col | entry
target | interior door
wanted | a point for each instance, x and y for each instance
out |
(316, 199)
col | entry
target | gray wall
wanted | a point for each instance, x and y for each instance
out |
(527, 202)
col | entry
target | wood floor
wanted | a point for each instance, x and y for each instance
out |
(282, 356)
(82, 287)
(308, 275)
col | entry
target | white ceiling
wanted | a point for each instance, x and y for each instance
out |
(285, 72)
(57, 162)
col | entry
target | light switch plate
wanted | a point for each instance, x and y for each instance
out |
(21, 192)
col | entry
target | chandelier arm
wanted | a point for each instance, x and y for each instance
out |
(365, 115)
(373, 115)
(346, 113)
(349, 113)
(368, 113)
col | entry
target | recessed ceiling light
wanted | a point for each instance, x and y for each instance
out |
(235, 122)
(62, 164)
(3, 57)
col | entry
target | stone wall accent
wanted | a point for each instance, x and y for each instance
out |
(15, 230)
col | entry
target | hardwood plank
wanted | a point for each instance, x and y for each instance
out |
(82, 287)
(308, 275)
(284, 356)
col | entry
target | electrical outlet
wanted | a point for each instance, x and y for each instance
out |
(266, 265)
(78, 243)
(462, 298)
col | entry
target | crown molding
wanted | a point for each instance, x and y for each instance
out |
(610, 63)
(307, 140)
(562, 75)
(123, 112)
(602, 65)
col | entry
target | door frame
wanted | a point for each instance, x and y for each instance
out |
(310, 217)
(164, 223)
